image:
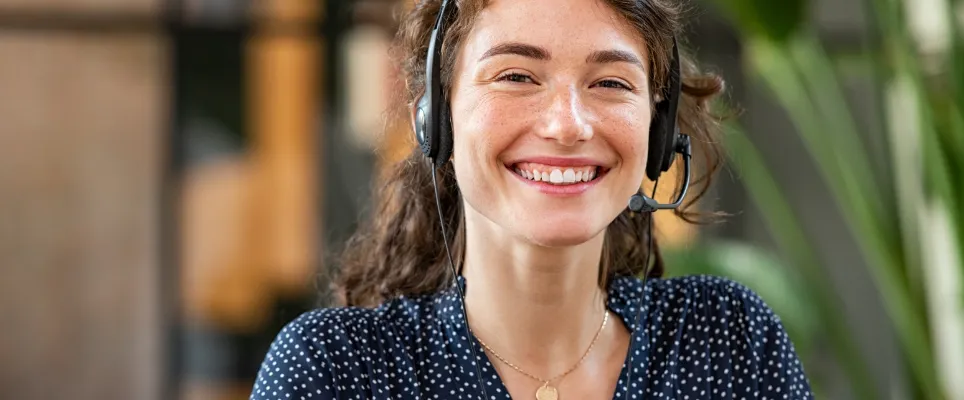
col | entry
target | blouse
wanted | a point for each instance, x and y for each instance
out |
(698, 337)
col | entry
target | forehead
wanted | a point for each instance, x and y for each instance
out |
(561, 26)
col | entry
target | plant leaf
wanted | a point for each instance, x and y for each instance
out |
(762, 18)
(782, 222)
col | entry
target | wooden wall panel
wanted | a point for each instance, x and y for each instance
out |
(81, 122)
(283, 113)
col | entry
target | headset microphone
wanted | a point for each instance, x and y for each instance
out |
(641, 203)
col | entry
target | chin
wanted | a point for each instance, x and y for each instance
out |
(562, 233)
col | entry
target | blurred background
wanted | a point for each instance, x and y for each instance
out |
(174, 175)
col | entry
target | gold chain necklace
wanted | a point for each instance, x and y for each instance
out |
(546, 391)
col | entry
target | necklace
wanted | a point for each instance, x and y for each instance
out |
(547, 391)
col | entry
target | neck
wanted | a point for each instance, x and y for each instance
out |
(538, 307)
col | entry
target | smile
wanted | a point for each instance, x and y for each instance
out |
(555, 175)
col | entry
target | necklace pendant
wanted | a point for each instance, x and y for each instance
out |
(547, 392)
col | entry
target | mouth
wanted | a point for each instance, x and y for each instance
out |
(557, 175)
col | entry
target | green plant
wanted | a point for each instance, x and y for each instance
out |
(912, 236)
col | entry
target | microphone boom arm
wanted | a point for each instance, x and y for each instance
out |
(642, 203)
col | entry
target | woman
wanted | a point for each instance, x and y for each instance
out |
(556, 109)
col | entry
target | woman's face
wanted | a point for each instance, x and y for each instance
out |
(551, 114)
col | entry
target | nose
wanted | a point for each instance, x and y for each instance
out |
(566, 120)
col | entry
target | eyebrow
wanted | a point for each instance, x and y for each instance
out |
(614, 56)
(521, 49)
(539, 53)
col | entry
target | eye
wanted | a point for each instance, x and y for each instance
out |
(515, 77)
(613, 84)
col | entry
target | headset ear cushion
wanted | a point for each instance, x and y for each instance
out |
(670, 149)
(657, 144)
(422, 131)
(445, 140)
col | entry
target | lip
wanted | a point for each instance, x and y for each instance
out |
(559, 162)
(558, 190)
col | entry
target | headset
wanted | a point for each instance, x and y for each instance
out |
(433, 132)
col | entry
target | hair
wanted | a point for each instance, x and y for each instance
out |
(400, 252)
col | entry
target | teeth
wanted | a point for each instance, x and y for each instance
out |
(557, 176)
(569, 176)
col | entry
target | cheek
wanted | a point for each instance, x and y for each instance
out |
(628, 134)
(488, 124)
(477, 131)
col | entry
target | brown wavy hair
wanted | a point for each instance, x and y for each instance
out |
(400, 250)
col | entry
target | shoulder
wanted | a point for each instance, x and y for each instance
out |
(404, 315)
(704, 290)
(712, 322)
(325, 351)
(328, 329)
(711, 294)
(300, 360)
(713, 307)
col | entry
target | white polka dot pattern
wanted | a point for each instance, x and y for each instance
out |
(702, 338)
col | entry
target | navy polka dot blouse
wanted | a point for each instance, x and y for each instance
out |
(701, 338)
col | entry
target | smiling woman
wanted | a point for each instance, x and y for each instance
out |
(541, 119)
